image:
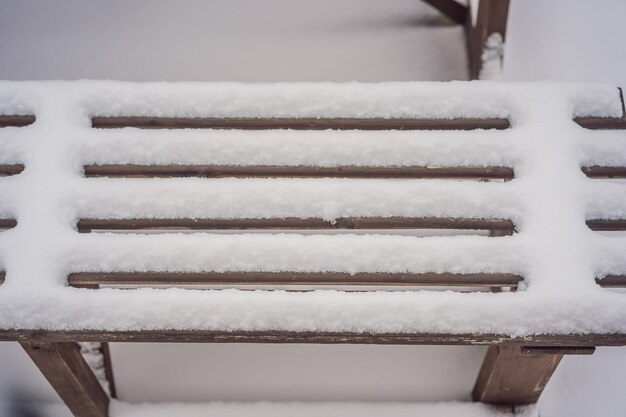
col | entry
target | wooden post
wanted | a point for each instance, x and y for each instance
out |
(491, 18)
(511, 377)
(66, 370)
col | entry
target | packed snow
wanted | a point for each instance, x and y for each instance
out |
(549, 200)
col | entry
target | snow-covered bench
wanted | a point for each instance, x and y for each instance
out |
(321, 187)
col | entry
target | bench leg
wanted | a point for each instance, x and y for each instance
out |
(511, 377)
(66, 370)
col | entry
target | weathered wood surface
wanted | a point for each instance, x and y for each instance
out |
(66, 370)
(510, 377)
(10, 169)
(252, 123)
(321, 337)
(16, 120)
(504, 225)
(242, 171)
(89, 279)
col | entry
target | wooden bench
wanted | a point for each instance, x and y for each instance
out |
(517, 365)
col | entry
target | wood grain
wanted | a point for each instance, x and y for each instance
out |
(509, 377)
(318, 337)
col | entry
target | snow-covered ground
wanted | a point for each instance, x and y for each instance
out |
(312, 41)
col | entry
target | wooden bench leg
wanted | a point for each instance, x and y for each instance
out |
(511, 377)
(66, 370)
(491, 18)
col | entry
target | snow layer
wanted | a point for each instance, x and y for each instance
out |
(549, 200)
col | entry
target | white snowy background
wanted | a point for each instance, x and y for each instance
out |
(282, 40)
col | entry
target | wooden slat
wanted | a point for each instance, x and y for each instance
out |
(18, 120)
(509, 377)
(502, 225)
(277, 336)
(297, 123)
(602, 123)
(82, 279)
(604, 172)
(108, 368)
(605, 123)
(607, 225)
(7, 223)
(66, 370)
(221, 171)
(491, 18)
(612, 281)
(558, 350)
(452, 9)
(12, 169)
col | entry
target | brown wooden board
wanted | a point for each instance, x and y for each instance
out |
(108, 368)
(71, 377)
(7, 223)
(503, 225)
(237, 171)
(16, 120)
(491, 18)
(509, 377)
(110, 122)
(290, 278)
(612, 281)
(607, 225)
(604, 172)
(11, 169)
(319, 337)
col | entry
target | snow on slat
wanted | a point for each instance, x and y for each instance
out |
(303, 198)
(549, 200)
(299, 148)
(298, 253)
